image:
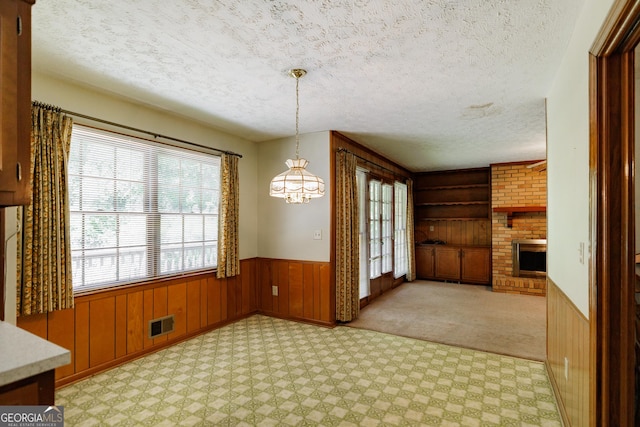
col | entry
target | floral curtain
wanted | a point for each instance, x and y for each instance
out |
(347, 244)
(411, 247)
(228, 253)
(44, 251)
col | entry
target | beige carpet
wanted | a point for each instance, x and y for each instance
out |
(462, 315)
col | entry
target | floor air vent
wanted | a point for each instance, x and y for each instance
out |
(161, 326)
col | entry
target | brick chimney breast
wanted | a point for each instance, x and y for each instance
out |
(516, 185)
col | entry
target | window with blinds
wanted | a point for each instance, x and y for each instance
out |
(139, 209)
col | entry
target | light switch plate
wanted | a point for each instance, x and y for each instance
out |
(581, 252)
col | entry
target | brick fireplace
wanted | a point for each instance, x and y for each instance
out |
(518, 201)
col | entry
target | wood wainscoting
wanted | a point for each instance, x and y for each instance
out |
(568, 336)
(304, 290)
(110, 327)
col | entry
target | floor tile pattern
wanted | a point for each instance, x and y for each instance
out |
(263, 371)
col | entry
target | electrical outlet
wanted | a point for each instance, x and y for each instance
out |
(317, 235)
(274, 291)
(431, 228)
(566, 368)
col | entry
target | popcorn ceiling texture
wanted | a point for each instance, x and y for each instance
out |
(516, 185)
(431, 84)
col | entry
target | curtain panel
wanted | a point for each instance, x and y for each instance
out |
(347, 242)
(411, 247)
(228, 220)
(44, 250)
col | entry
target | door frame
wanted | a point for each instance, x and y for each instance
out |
(379, 282)
(612, 219)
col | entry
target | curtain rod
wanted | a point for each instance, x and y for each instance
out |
(154, 134)
(373, 163)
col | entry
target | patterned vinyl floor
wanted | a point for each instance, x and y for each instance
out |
(263, 371)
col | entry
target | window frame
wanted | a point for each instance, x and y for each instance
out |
(374, 225)
(369, 201)
(400, 244)
(363, 224)
(152, 212)
(387, 220)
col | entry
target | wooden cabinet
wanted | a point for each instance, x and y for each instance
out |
(448, 262)
(466, 264)
(453, 195)
(475, 265)
(425, 262)
(27, 366)
(35, 390)
(15, 101)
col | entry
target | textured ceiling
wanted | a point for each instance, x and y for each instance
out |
(431, 84)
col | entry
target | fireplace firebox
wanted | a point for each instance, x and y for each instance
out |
(529, 257)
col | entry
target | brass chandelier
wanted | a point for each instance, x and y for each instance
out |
(297, 185)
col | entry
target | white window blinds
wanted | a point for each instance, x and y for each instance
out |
(139, 209)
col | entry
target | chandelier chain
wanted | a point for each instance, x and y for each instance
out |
(297, 185)
(297, 118)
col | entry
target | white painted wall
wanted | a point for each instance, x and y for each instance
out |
(286, 231)
(105, 106)
(568, 160)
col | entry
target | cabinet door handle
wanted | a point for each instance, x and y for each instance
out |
(19, 25)
(19, 171)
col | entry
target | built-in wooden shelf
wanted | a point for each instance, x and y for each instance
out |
(452, 203)
(451, 187)
(453, 195)
(513, 210)
(451, 219)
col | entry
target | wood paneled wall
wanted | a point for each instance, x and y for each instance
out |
(304, 290)
(368, 158)
(108, 328)
(463, 233)
(568, 336)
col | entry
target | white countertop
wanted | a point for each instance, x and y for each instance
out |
(23, 354)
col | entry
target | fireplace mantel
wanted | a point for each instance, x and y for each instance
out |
(512, 210)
